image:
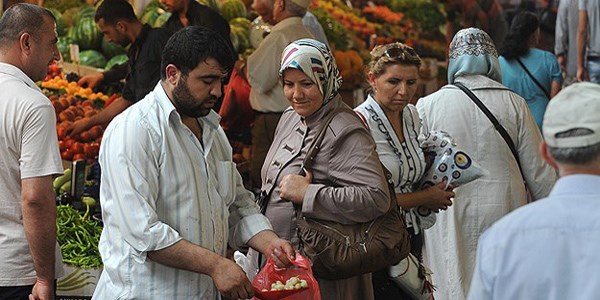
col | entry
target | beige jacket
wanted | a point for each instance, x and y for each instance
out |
(348, 181)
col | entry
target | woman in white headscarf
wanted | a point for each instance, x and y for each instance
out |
(451, 244)
(346, 182)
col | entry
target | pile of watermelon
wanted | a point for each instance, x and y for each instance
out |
(76, 25)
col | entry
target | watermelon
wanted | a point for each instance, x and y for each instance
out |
(60, 24)
(155, 17)
(92, 58)
(231, 9)
(111, 49)
(63, 47)
(87, 35)
(240, 22)
(210, 3)
(117, 60)
(86, 11)
(240, 38)
(161, 20)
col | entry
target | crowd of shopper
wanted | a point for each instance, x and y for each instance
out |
(174, 203)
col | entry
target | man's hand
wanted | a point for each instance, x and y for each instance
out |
(78, 127)
(42, 290)
(293, 187)
(231, 280)
(582, 74)
(90, 80)
(562, 61)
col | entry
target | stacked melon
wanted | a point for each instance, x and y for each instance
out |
(77, 26)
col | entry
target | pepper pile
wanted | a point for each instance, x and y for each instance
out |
(78, 237)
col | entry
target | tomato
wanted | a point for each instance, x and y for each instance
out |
(95, 132)
(67, 154)
(61, 146)
(61, 132)
(85, 136)
(77, 148)
(68, 142)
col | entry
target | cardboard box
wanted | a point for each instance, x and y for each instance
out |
(77, 283)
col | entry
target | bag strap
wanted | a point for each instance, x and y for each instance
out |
(495, 122)
(534, 79)
(316, 144)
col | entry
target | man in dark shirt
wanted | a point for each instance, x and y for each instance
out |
(118, 23)
(191, 13)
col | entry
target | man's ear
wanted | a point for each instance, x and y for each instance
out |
(546, 155)
(121, 26)
(173, 74)
(278, 6)
(25, 41)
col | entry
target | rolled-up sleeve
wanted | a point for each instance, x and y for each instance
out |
(245, 219)
(130, 188)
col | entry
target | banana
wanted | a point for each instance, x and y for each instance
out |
(61, 180)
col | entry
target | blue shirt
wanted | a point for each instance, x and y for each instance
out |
(544, 67)
(544, 250)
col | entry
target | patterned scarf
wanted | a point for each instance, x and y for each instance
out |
(315, 60)
(472, 52)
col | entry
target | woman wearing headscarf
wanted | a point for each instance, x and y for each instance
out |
(395, 125)
(532, 73)
(451, 244)
(346, 182)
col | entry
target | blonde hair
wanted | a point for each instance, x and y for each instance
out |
(391, 54)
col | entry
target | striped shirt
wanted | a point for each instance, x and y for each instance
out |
(404, 159)
(161, 185)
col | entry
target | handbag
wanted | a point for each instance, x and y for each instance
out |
(412, 277)
(499, 128)
(340, 251)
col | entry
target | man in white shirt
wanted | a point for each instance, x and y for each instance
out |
(172, 199)
(29, 156)
(549, 249)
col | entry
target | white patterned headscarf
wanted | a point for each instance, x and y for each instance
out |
(315, 60)
(472, 52)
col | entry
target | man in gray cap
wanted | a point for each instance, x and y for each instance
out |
(549, 249)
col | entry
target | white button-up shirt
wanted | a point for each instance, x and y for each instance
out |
(160, 185)
(545, 250)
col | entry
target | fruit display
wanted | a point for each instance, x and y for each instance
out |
(72, 103)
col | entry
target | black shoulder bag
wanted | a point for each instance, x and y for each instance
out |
(533, 78)
(496, 124)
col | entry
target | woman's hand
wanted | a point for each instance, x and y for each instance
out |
(293, 187)
(438, 197)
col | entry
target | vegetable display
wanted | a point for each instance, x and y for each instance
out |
(78, 237)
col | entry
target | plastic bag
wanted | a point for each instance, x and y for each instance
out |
(450, 163)
(271, 274)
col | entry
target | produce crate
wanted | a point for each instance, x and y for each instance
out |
(77, 283)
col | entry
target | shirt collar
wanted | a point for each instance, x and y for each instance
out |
(139, 40)
(287, 23)
(578, 184)
(18, 73)
(169, 111)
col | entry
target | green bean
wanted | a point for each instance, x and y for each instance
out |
(78, 237)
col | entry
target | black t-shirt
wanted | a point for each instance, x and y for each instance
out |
(144, 62)
(201, 15)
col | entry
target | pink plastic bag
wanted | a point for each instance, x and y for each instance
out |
(271, 274)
